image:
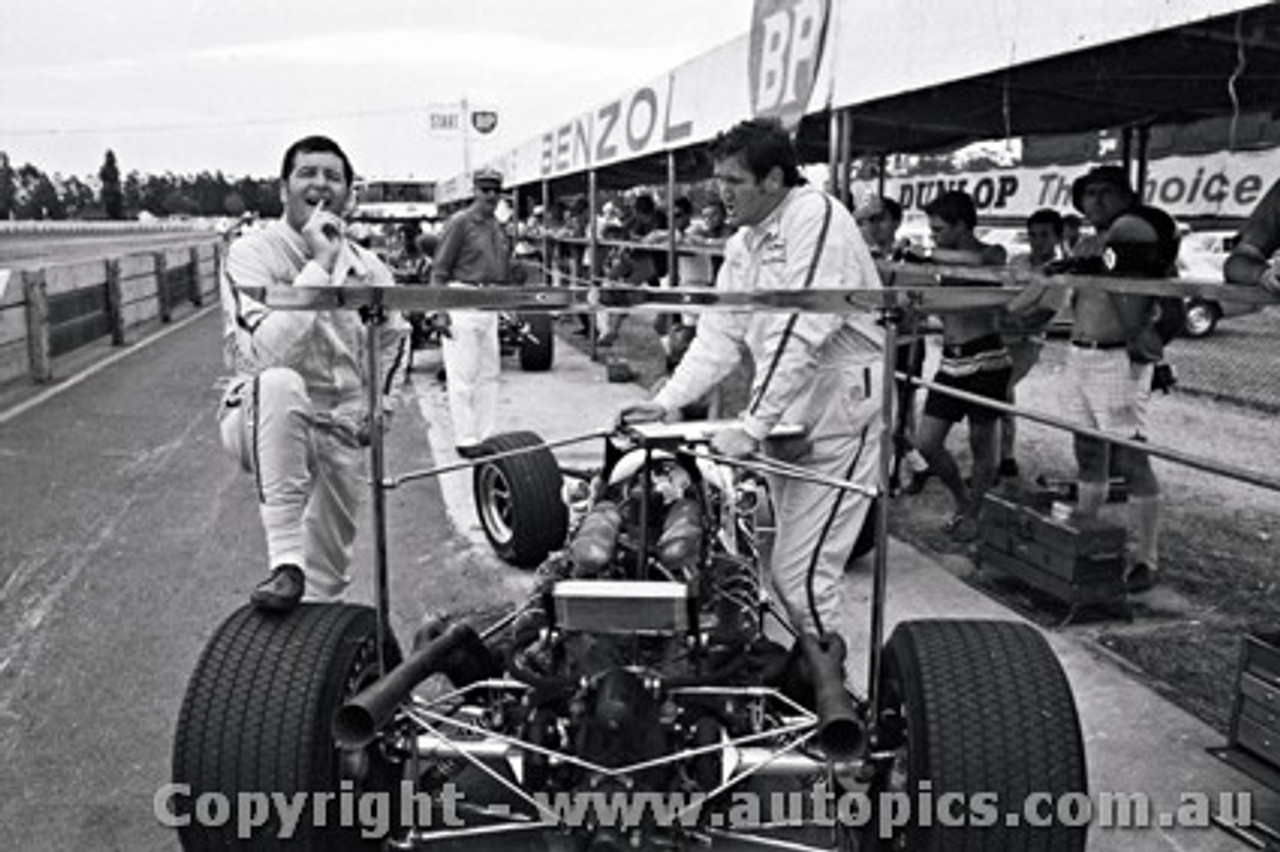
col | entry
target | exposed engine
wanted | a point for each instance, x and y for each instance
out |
(639, 662)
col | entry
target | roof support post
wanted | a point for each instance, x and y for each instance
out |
(846, 158)
(673, 273)
(593, 246)
(551, 269)
(833, 151)
(1144, 137)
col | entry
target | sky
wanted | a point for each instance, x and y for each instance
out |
(194, 85)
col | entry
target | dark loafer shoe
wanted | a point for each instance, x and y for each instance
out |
(281, 591)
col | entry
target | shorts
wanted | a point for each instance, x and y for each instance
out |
(980, 367)
(1104, 390)
(992, 384)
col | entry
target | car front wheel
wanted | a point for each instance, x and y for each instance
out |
(1202, 318)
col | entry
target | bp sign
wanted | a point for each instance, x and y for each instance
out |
(786, 48)
(484, 121)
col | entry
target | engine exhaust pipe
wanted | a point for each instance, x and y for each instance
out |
(840, 731)
(357, 722)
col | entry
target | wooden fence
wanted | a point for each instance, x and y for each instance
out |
(48, 312)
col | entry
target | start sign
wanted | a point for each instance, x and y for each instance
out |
(786, 48)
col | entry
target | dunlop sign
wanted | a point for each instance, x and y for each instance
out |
(786, 48)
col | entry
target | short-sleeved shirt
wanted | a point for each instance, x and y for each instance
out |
(473, 249)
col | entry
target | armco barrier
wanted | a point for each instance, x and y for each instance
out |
(49, 312)
(104, 226)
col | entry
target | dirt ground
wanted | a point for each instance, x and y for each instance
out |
(1220, 538)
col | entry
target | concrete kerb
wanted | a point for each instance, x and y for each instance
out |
(1136, 741)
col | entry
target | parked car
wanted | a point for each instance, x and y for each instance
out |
(1201, 257)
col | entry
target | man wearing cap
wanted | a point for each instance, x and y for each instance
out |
(1103, 388)
(473, 252)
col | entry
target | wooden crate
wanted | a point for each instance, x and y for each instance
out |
(1081, 563)
(1255, 713)
(1253, 738)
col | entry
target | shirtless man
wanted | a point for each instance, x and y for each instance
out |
(1102, 387)
(974, 360)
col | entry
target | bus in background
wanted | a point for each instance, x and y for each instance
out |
(397, 219)
(391, 200)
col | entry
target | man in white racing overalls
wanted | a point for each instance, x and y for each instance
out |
(295, 415)
(821, 371)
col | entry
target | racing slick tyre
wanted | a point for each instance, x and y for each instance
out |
(537, 345)
(519, 499)
(1201, 318)
(985, 734)
(255, 723)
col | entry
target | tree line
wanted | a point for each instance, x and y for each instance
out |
(27, 192)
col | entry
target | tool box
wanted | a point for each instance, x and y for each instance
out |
(1255, 709)
(1031, 536)
(1253, 737)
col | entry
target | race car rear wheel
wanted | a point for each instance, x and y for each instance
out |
(255, 723)
(537, 345)
(982, 719)
(519, 499)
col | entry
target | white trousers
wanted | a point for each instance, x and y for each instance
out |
(818, 525)
(309, 476)
(472, 365)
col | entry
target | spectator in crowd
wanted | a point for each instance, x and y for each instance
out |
(636, 266)
(474, 251)
(1044, 233)
(692, 270)
(714, 226)
(1071, 233)
(1103, 386)
(1251, 261)
(295, 414)
(879, 219)
(1045, 238)
(974, 360)
(816, 370)
(712, 230)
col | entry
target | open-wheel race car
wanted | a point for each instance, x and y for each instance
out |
(646, 695)
(530, 337)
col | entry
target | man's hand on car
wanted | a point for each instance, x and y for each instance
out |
(735, 442)
(642, 412)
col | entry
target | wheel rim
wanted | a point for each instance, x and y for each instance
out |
(1199, 319)
(496, 505)
(364, 671)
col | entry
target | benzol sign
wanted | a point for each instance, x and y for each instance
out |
(786, 47)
